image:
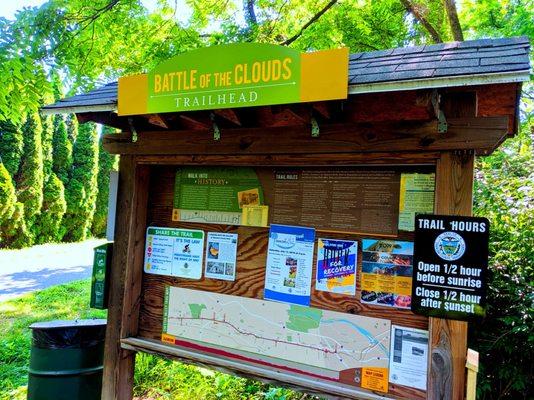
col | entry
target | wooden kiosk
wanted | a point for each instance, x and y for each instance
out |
(423, 110)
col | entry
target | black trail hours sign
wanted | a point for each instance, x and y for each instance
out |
(450, 263)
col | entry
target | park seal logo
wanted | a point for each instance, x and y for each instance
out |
(449, 246)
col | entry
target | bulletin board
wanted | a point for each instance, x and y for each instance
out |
(352, 204)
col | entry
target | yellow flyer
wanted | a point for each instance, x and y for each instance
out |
(416, 196)
(387, 267)
(375, 379)
(255, 215)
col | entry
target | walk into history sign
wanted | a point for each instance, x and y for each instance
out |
(450, 265)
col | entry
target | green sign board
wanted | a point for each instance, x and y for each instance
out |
(233, 76)
(215, 195)
(236, 75)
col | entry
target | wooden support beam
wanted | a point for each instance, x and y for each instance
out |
(283, 116)
(156, 120)
(229, 115)
(229, 366)
(108, 118)
(322, 109)
(413, 105)
(126, 273)
(448, 338)
(478, 134)
(194, 122)
(290, 116)
(121, 137)
(284, 160)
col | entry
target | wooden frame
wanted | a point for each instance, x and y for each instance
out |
(407, 136)
(448, 337)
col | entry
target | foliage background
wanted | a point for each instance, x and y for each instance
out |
(53, 176)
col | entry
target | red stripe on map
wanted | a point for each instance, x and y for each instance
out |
(227, 354)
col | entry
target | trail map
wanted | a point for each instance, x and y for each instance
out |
(304, 339)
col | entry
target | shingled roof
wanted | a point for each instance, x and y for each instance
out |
(499, 60)
(471, 62)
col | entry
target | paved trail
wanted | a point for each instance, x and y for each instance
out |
(39, 267)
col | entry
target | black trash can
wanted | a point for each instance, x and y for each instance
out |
(66, 360)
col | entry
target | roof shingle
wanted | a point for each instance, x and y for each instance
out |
(473, 57)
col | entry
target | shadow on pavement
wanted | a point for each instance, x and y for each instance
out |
(18, 283)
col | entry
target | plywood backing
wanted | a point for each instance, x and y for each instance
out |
(251, 257)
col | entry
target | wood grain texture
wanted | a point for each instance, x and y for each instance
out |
(473, 133)
(500, 100)
(251, 260)
(126, 278)
(112, 352)
(267, 375)
(396, 106)
(302, 160)
(448, 338)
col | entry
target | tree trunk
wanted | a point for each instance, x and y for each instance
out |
(422, 20)
(454, 22)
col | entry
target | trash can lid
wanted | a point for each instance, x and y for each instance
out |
(66, 324)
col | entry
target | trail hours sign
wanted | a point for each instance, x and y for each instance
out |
(450, 263)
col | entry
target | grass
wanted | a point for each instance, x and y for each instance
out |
(155, 378)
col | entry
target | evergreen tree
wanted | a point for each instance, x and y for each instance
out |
(54, 208)
(13, 231)
(106, 163)
(11, 146)
(47, 226)
(8, 197)
(72, 127)
(30, 177)
(47, 122)
(82, 189)
(61, 149)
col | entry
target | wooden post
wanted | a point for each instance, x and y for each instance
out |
(126, 272)
(448, 338)
(472, 371)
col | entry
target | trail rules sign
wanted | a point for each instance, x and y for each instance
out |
(450, 265)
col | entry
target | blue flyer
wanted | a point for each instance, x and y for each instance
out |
(289, 264)
(336, 266)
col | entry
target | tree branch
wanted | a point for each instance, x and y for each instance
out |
(454, 22)
(251, 20)
(250, 14)
(307, 24)
(412, 9)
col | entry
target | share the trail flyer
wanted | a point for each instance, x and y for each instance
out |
(336, 266)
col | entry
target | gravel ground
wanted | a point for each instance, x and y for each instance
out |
(38, 267)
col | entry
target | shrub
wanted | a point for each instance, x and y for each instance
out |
(505, 338)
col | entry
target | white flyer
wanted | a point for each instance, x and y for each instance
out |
(174, 252)
(409, 357)
(289, 264)
(221, 256)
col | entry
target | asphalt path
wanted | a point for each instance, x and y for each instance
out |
(39, 267)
